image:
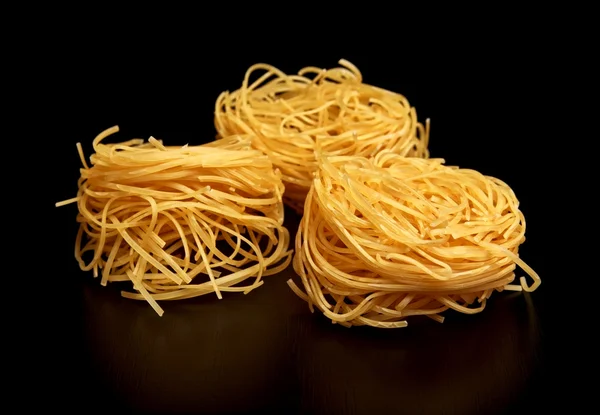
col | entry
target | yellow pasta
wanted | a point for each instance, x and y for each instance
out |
(390, 237)
(288, 114)
(180, 222)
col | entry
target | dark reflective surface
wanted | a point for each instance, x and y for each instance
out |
(266, 352)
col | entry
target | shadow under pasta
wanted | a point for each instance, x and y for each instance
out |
(428, 365)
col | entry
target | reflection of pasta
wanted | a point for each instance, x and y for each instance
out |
(287, 114)
(162, 216)
(391, 237)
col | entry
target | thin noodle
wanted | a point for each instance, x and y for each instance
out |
(288, 114)
(389, 237)
(161, 216)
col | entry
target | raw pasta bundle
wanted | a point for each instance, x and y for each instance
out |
(180, 222)
(288, 114)
(390, 237)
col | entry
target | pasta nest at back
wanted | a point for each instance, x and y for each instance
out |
(288, 114)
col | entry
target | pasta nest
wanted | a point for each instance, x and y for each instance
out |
(287, 115)
(390, 237)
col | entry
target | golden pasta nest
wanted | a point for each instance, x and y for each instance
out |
(390, 237)
(288, 114)
(180, 222)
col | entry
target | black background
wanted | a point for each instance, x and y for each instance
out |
(265, 351)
